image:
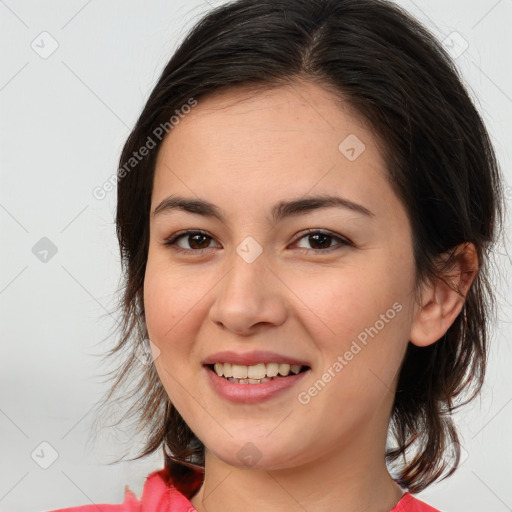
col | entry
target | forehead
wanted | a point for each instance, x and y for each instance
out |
(245, 146)
(302, 109)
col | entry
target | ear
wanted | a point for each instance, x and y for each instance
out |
(442, 300)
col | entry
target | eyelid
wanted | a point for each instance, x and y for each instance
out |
(170, 241)
(321, 231)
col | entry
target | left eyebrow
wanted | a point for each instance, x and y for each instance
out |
(279, 211)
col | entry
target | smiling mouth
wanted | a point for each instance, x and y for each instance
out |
(255, 374)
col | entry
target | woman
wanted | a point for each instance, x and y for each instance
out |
(306, 207)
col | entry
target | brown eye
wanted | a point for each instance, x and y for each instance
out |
(196, 240)
(320, 241)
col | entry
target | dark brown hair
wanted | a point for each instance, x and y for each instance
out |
(392, 71)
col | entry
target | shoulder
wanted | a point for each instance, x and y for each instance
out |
(158, 495)
(408, 503)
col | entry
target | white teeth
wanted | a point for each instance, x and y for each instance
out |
(272, 369)
(256, 371)
(284, 369)
(248, 381)
(295, 368)
(239, 371)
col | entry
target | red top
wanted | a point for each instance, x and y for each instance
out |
(160, 494)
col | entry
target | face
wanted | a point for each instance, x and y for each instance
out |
(327, 284)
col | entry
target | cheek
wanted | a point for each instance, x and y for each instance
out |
(160, 313)
(166, 294)
(165, 304)
(169, 311)
(345, 301)
(175, 305)
(364, 321)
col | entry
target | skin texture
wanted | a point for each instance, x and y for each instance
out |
(244, 152)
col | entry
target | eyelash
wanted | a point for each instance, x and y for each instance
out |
(171, 241)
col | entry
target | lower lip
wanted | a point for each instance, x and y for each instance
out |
(252, 393)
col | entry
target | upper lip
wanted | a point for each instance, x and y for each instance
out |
(252, 358)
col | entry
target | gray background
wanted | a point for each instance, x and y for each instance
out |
(63, 120)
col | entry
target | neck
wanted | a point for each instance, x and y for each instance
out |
(353, 480)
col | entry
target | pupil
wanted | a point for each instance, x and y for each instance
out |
(191, 237)
(322, 236)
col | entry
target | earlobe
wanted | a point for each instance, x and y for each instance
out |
(443, 299)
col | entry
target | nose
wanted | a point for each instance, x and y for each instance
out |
(250, 297)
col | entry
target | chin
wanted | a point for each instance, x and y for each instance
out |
(260, 455)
